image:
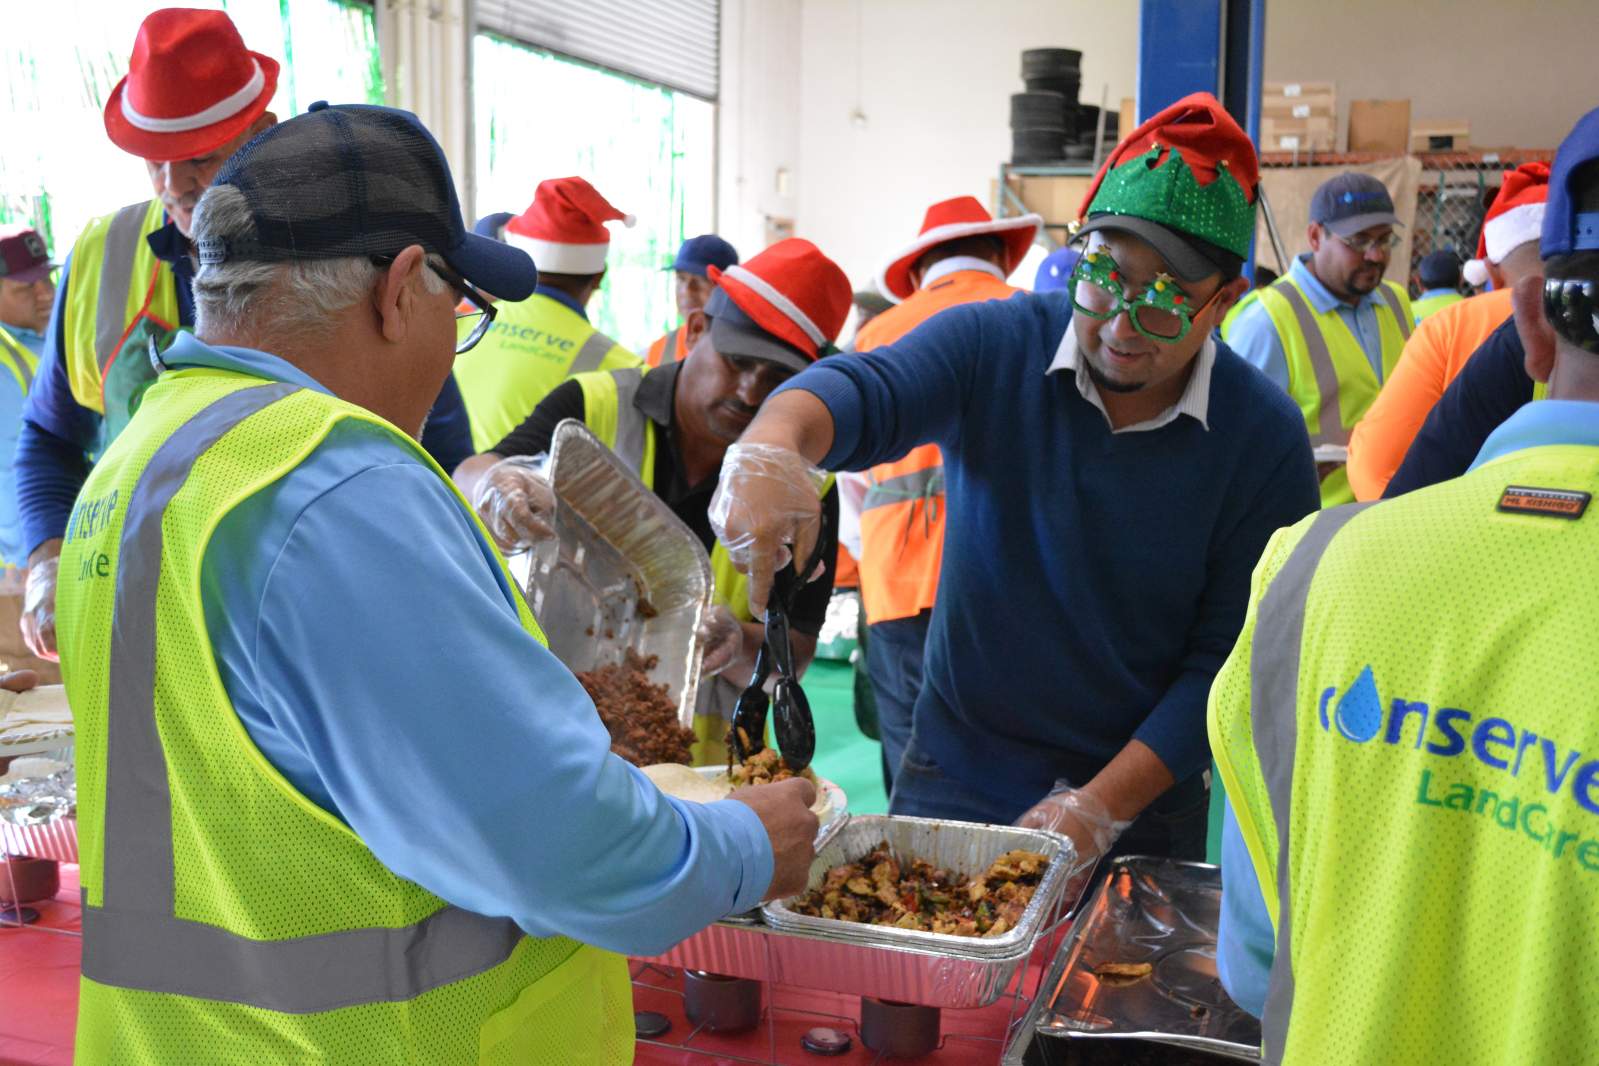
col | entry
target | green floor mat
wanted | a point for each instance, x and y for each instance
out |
(844, 755)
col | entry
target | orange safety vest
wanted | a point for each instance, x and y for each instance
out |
(676, 340)
(902, 518)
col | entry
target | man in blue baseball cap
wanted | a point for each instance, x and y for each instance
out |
(691, 270)
(321, 737)
(1331, 330)
(1406, 732)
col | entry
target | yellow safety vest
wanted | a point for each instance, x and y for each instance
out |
(1249, 299)
(1329, 375)
(18, 359)
(227, 918)
(532, 346)
(1430, 304)
(120, 299)
(1406, 732)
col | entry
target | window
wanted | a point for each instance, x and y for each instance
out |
(647, 149)
(58, 170)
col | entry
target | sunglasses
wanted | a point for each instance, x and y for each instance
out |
(1363, 245)
(1162, 312)
(795, 728)
(1572, 307)
(473, 314)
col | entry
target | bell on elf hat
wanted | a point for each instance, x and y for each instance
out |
(191, 87)
(563, 229)
(1516, 214)
(951, 220)
(786, 305)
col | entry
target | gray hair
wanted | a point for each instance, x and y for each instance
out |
(295, 297)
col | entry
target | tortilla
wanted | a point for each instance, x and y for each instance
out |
(686, 783)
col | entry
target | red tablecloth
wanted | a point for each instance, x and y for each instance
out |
(39, 982)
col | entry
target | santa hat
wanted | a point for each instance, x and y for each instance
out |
(191, 87)
(1475, 272)
(792, 292)
(951, 220)
(563, 229)
(1516, 214)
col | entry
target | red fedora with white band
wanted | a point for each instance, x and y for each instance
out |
(191, 87)
(792, 292)
(563, 229)
(950, 220)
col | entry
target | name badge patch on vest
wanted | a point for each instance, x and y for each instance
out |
(1551, 503)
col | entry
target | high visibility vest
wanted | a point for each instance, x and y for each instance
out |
(227, 918)
(532, 346)
(120, 299)
(1405, 729)
(675, 341)
(1249, 299)
(1428, 304)
(902, 517)
(18, 360)
(1329, 375)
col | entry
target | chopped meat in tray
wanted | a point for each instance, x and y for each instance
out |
(640, 717)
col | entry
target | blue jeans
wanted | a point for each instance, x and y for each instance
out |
(894, 663)
(1173, 826)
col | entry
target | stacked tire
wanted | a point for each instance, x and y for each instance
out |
(1043, 120)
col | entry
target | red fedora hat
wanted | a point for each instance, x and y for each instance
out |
(950, 220)
(191, 86)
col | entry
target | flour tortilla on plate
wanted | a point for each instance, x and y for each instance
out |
(685, 783)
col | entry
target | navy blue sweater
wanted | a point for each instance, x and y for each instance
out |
(1092, 584)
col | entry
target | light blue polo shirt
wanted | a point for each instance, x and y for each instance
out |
(12, 396)
(372, 649)
(1253, 334)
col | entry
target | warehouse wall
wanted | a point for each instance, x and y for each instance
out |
(757, 119)
(1520, 73)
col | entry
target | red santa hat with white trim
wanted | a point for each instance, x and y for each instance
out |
(1516, 215)
(563, 229)
(786, 305)
(951, 220)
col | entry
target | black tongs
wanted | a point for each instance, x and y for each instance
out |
(796, 729)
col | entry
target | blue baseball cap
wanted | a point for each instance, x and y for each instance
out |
(358, 180)
(1565, 229)
(699, 254)
(493, 226)
(1439, 270)
(1055, 272)
(1352, 202)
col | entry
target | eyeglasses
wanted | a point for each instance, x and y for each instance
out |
(1364, 245)
(796, 729)
(473, 314)
(1162, 312)
(1572, 307)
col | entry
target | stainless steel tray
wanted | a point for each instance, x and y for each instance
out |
(1163, 912)
(960, 847)
(618, 544)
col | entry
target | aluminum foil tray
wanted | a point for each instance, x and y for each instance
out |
(626, 572)
(1147, 910)
(838, 802)
(807, 960)
(959, 847)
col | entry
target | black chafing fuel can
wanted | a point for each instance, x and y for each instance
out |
(721, 1004)
(900, 1030)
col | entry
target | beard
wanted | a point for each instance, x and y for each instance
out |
(1099, 378)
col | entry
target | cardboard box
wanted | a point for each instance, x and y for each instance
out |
(1319, 134)
(1056, 197)
(1129, 116)
(1440, 135)
(1320, 104)
(1379, 126)
(1298, 88)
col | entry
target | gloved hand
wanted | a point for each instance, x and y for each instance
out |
(516, 503)
(1085, 819)
(39, 608)
(767, 510)
(722, 637)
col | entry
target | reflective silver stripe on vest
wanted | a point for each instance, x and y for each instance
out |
(669, 348)
(592, 354)
(1331, 427)
(1274, 727)
(19, 359)
(133, 940)
(917, 485)
(1392, 299)
(629, 419)
(116, 280)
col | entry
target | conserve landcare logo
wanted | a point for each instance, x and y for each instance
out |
(1523, 758)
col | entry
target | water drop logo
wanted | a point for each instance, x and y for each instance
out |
(1358, 713)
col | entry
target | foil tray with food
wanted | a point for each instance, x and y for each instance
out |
(965, 853)
(1139, 969)
(625, 583)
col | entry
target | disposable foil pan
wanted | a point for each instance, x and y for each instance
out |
(1146, 910)
(959, 847)
(809, 960)
(624, 572)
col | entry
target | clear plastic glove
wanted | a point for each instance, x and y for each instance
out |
(767, 509)
(515, 501)
(39, 608)
(722, 637)
(1081, 816)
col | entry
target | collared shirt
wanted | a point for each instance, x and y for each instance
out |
(1430, 293)
(1254, 335)
(955, 264)
(1246, 944)
(12, 396)
(1194, 402)
(421, 714)
(564, 298)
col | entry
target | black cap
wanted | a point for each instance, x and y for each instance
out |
(1352, 202)
(357, 180)
(735, 333)
(1439, 270)
(1190, 258)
